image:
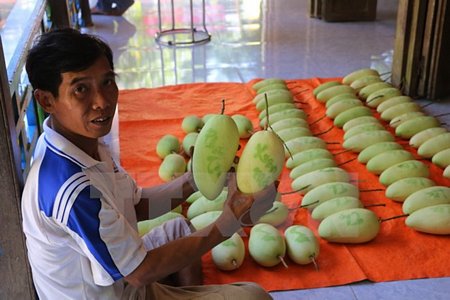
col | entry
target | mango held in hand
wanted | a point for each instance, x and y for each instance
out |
(215, 149)
(146, 225)
(266, 245)
(261, 162)
(432, 219)
(229, 255)
(191, 124)
(355, 225)
(302, 246)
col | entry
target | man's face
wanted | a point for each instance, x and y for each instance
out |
(86, 102)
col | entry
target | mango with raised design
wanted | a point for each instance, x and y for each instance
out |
(353, 226)
(215, 150)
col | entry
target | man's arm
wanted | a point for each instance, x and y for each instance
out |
(175, 255)
(160, 199)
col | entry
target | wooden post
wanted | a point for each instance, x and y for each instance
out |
(15, 274)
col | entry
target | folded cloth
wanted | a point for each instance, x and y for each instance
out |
(169, 231)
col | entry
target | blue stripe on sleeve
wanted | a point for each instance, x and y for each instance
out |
(84, 220)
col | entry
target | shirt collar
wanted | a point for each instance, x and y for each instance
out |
(63, 147)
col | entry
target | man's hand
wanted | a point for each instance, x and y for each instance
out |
(247, 209)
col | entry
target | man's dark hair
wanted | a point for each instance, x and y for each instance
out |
(60, 51)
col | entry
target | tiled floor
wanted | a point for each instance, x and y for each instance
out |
(251, 39)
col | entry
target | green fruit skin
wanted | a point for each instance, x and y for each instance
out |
(431, 219)
(244, 125)
(409, 128)
(171, 167)
(307, 155)
(166, 145)
(303, 143)
(339, 98)
(335, 205)
(201, 221)
(265, 82)
(426, 197)
(372, 88)
(147, 225)
(342, 106)
(330, 92)
(292, 133)
(357, 74)
(401, 189)
(202, 205)
(376, 98)
(275, 108)
(191, 124)
(354, 226)
(442, 158)
(273, 97)
(312, 165)
(362, 128)
(324, 86)
(362, 82)
(193, 197)
(272, 86)
(423, 136)
(189, 142)
(301, 244)
(350, 114)
(215, 150)
(328, 191)
(409, 168)
(284, 114)
(399, 109)
(434, 145)
(360, 141)
(307, 182)
(266, 245)
(382, 161)
(359, 121)
(229, 255)
(288, 123)
(446, 172)
(393, 101)
(261, 162)
(277, 215)
(397, 121)
(375, 149)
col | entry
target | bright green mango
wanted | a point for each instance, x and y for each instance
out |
(166, 145)
(431, 219)
(401, 189)
(266, 245)
(302, 245)
(353, 226)
(426, 197)
(327, 192)
(147, 225)
(229, 255)
(335, 205)
(215, 150)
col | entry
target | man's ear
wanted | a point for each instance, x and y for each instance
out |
(45, 99)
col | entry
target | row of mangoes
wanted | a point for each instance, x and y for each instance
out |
(406, 178)
(314, 171)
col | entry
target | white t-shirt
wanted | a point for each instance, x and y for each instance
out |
(79, 222)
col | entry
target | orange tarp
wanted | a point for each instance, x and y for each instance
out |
(397, 253)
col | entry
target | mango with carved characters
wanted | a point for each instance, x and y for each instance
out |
(354, 226)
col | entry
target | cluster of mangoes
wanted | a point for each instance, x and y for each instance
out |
(325, 187)
(406, 178)
(176, 155)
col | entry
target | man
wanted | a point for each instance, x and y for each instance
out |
(80, 209)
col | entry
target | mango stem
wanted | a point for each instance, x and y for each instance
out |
(283, 261)
(392, 218)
